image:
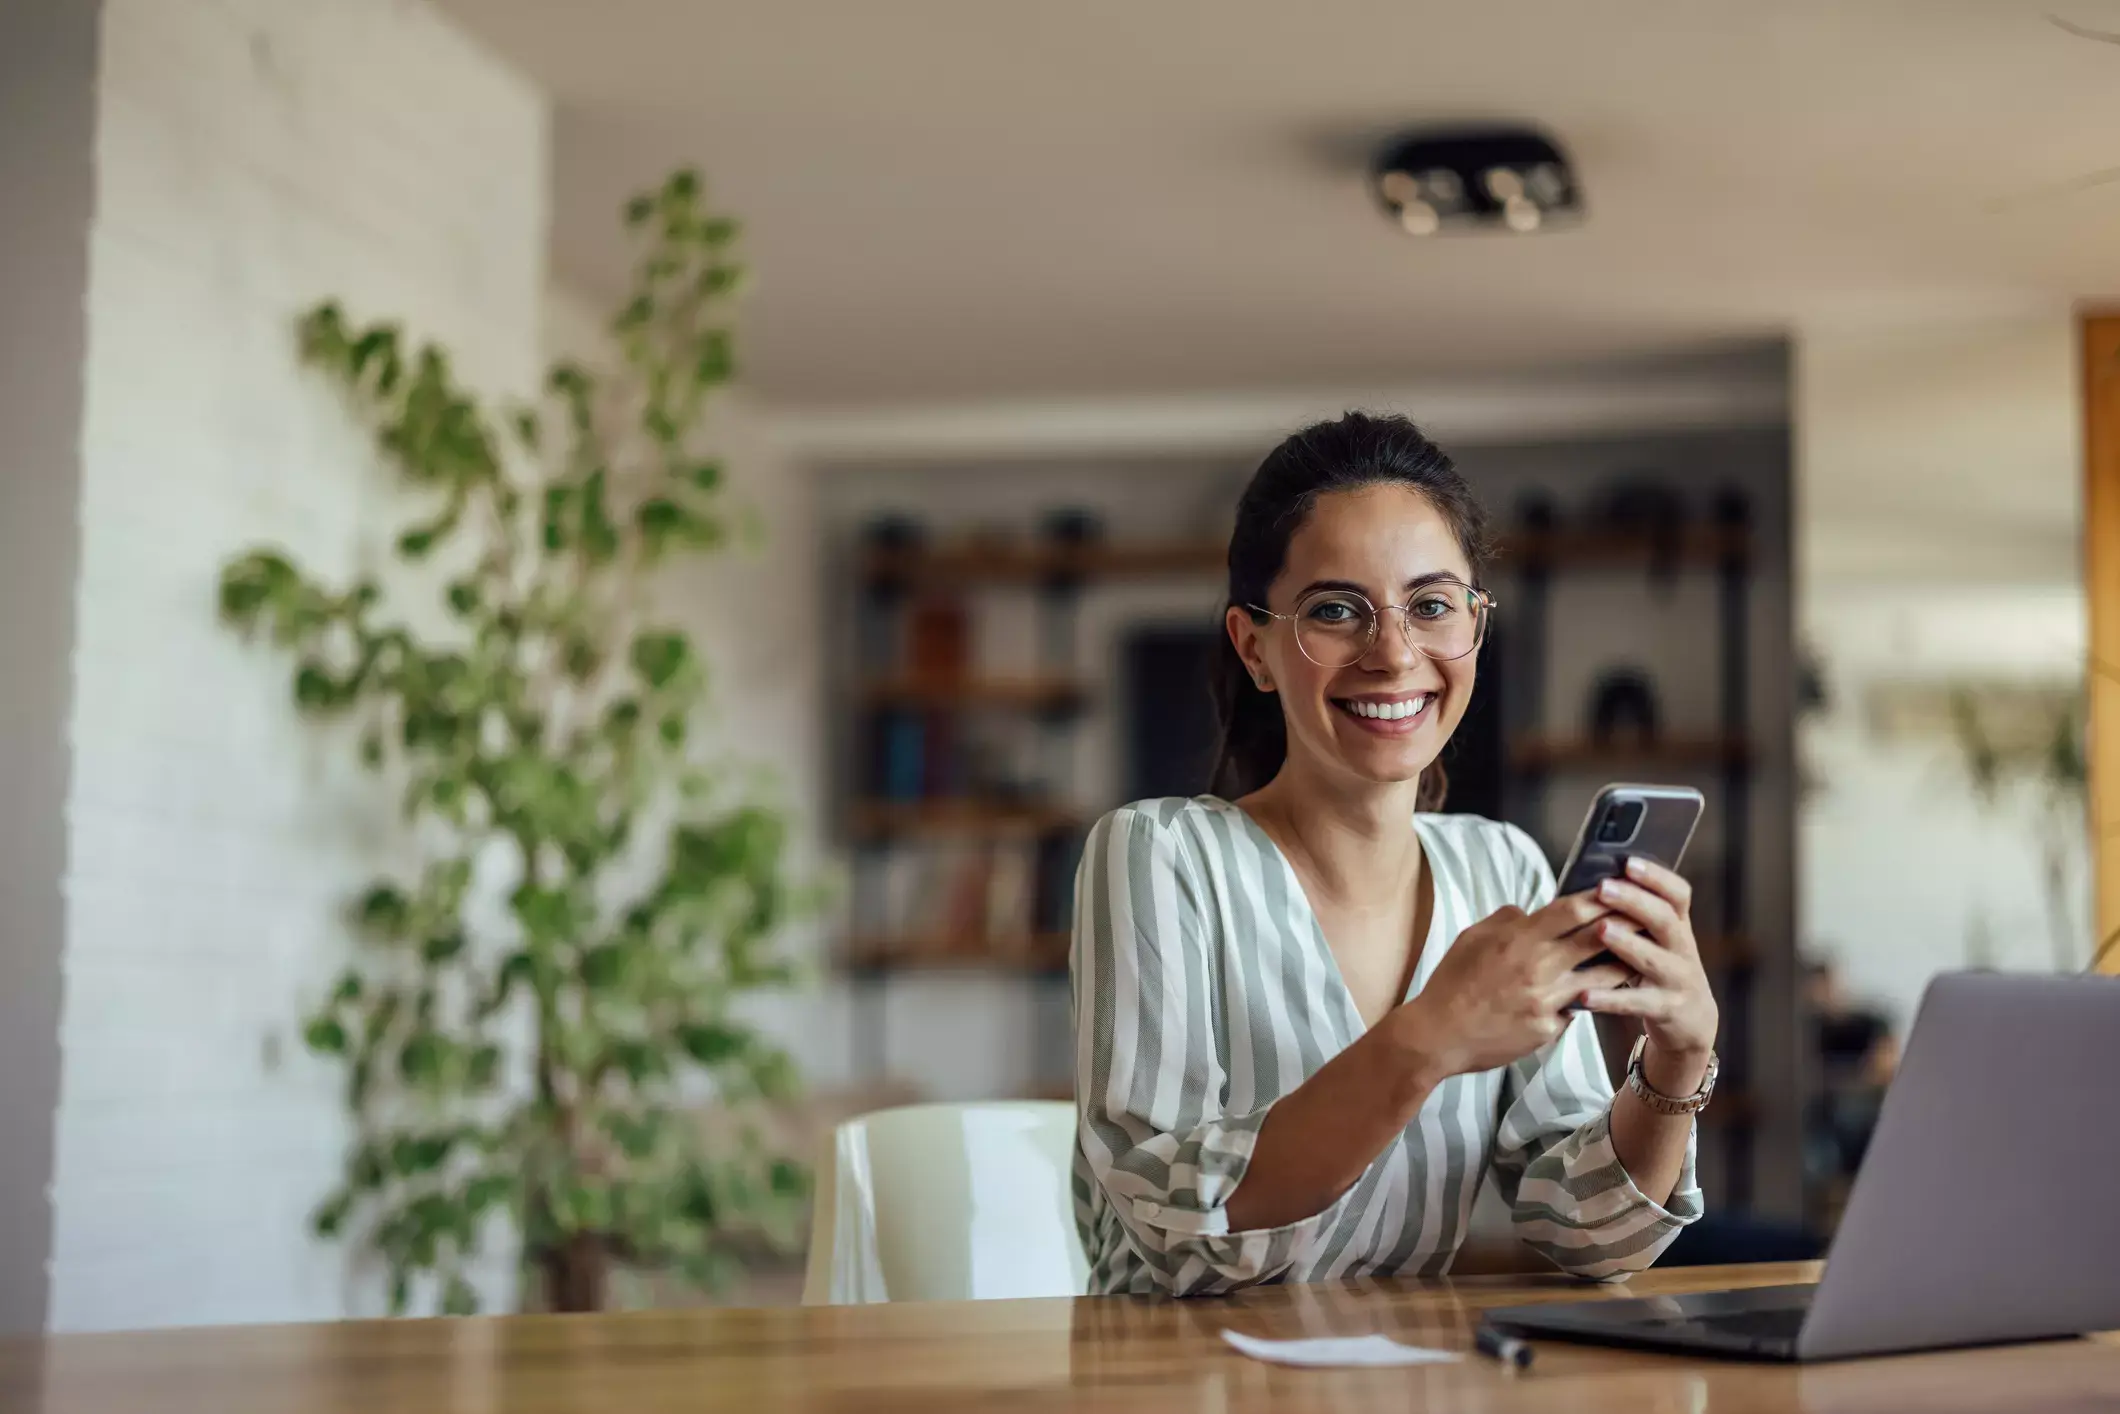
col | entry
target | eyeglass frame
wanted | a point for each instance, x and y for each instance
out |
(1487, 605)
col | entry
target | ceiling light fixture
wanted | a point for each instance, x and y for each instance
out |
(1470, 179)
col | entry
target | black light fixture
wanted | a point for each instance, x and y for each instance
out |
(1434, 180)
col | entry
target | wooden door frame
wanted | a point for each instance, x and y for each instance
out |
(2100, 345)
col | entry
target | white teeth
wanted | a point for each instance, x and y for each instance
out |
(1390, 711)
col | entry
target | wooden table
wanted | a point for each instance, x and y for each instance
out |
(1117, 1353)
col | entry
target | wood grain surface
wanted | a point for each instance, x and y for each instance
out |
(1117, 1353)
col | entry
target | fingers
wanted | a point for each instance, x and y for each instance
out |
(1605, 977)
(1568, 989)
(1644, 955)
(1567, 916)
(1659, 880)
(1647, 1003)
(1651, 911)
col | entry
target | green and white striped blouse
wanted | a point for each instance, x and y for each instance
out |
(1204, 991)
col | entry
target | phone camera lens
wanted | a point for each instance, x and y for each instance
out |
(1620, 822)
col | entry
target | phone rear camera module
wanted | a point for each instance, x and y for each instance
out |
(1621, 822)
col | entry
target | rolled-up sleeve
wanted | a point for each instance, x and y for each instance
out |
(1151, 1067)
(1570, 1198)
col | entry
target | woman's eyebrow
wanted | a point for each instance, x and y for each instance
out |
(1432, 577)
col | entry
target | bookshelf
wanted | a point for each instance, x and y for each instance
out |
(961, 800)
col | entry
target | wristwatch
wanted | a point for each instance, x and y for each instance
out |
(1656, 1099)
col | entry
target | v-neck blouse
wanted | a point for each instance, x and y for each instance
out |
(1204, 991)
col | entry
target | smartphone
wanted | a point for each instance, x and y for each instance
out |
(1627, 822)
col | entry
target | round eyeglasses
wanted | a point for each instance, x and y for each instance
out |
(1336, 628)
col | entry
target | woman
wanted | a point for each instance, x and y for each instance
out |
(1311, 1016)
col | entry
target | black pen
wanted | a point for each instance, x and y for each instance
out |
(1505, 1348)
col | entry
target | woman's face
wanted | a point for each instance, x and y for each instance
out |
(1384, 542)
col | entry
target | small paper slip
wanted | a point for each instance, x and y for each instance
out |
(1339, 1350)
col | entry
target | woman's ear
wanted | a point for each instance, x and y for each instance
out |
(1244, 637)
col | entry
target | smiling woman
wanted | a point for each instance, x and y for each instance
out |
(1310, 1012)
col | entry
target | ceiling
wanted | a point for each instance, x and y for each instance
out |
(972, 199)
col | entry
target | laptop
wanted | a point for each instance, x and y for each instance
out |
(1985, 1210)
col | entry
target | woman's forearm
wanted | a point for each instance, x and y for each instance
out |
(1320, 1136)
(1652, 1146)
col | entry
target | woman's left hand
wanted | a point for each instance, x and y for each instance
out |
(1653, 934)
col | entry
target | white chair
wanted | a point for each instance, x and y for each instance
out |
(946, 1203)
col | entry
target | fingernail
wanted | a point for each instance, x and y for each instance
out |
(1610, 928)
(1638, 868)
(1608, 890)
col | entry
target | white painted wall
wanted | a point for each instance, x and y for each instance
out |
(47, 135)
(1938, 528)
(253, 156)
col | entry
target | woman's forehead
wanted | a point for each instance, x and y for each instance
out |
(1379, 536)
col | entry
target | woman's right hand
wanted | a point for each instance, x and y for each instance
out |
(1500, 992)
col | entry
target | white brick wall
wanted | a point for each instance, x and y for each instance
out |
(254, 156)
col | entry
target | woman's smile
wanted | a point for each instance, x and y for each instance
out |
(1389, 714)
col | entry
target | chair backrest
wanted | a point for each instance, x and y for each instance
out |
(946, 1203)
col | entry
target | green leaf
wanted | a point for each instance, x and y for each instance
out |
(464, 597)
(423, 1059)
(442, 948)
(383, 911)
(705, 475)
(366, 1170)
(559, 502)
(484, 1066)
(580, 658)
(713, 1043)
(599, 536)
(714, 360)
(637, 1136)
(787, 1178)
(672, 729)
(418, 544)
(547, 915)
(514, 972)
(528, 430)
(329, 1219)
(489, 1191)
(325, 1036)
(660, 656)
(348, 988)
(639, 209)
(372, 748)
(603, 966)
(458, 1297)
(315, 689)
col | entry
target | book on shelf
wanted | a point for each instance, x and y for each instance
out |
(973, 897)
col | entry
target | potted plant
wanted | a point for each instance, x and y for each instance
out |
(534, 1013)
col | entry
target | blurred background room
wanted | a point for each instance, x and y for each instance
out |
(673, 709)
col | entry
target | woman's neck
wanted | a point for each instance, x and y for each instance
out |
(1358, 845)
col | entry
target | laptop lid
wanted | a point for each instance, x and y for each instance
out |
(1988, 1205)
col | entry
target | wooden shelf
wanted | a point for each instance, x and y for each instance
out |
(1589, 548)
(1556, 754)
(1037, 952)
(1019, 562)
(884, 819)
(1027, 694)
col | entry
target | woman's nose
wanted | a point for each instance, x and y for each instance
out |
(1393, 644)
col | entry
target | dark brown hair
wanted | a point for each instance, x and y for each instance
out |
(1358, 450)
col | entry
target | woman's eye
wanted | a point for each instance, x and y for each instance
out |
(1333, 611)
(1434, 606)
